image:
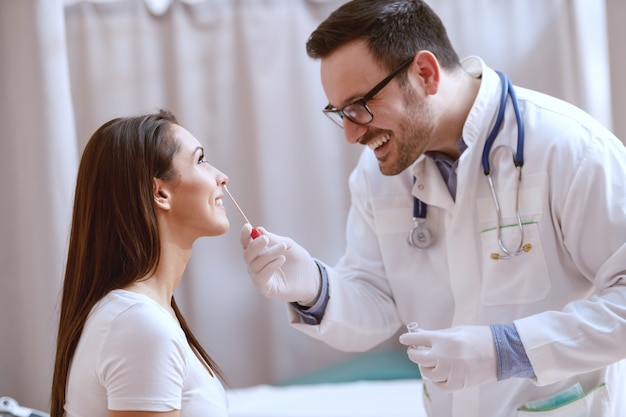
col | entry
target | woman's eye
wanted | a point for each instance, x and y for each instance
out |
(202, 160)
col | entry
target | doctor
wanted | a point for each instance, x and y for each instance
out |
(492, 215)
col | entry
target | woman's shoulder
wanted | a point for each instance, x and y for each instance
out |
(136, 315)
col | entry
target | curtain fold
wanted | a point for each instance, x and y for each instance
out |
(237, 76)
(37, 165)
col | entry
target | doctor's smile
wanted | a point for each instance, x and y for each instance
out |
(380, 144)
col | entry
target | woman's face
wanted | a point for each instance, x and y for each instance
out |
(195, 194)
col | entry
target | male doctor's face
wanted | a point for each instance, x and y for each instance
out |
(402, 126)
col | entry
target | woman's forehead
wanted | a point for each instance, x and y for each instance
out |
(185, 139)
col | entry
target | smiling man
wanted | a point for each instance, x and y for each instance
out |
(493, 215)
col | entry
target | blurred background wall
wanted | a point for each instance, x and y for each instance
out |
(236, 74)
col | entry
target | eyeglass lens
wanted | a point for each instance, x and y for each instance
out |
(358, 112)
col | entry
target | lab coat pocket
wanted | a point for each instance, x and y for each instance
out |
(523, 278)
(519, 280)
(594, 404)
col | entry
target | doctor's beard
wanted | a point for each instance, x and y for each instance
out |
(413, 135)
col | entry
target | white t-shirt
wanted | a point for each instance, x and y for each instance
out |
(133, 355)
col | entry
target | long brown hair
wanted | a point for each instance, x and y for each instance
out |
(114, 238)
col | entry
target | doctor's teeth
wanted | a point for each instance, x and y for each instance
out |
(378, 142)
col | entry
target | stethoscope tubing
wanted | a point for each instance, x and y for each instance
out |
(507, 90)
(420, 208)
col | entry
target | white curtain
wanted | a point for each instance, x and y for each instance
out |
(237, 76)
(37, 169)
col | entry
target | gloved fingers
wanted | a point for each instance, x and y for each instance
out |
(244, 237)
(259, 256)
(446, 386)
(262, 278)
(451, 384)
(254, 248)
(422, 356)
(438, 373)
(274, 238)
(261, 246)
(419, 338)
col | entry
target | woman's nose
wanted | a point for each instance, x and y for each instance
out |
(222, 179)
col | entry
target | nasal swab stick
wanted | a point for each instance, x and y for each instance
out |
(255, 232)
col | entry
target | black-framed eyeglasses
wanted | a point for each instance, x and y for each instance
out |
(357, 111)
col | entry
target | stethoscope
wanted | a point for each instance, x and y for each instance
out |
(420, 235)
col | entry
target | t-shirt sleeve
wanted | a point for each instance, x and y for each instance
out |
(143, 361)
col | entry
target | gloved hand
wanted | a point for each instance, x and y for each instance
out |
(455, 358)
(280, 268)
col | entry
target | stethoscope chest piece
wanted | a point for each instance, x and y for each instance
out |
(420, 235)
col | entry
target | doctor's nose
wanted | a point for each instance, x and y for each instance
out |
(352, 131)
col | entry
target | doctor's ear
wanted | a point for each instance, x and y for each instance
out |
(160, 194)
(428, 71)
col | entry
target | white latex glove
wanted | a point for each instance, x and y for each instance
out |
(456, 358)
(280, 268)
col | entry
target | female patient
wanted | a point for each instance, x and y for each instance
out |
(144, 194)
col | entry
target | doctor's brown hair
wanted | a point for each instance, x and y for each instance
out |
(394, 30)
(114, 238)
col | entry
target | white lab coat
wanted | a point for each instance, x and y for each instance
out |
(566, 295)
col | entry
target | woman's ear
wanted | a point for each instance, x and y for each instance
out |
(428, 71)
(161, 194)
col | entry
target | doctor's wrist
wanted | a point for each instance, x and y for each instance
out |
(512, 360)
(313, 314)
